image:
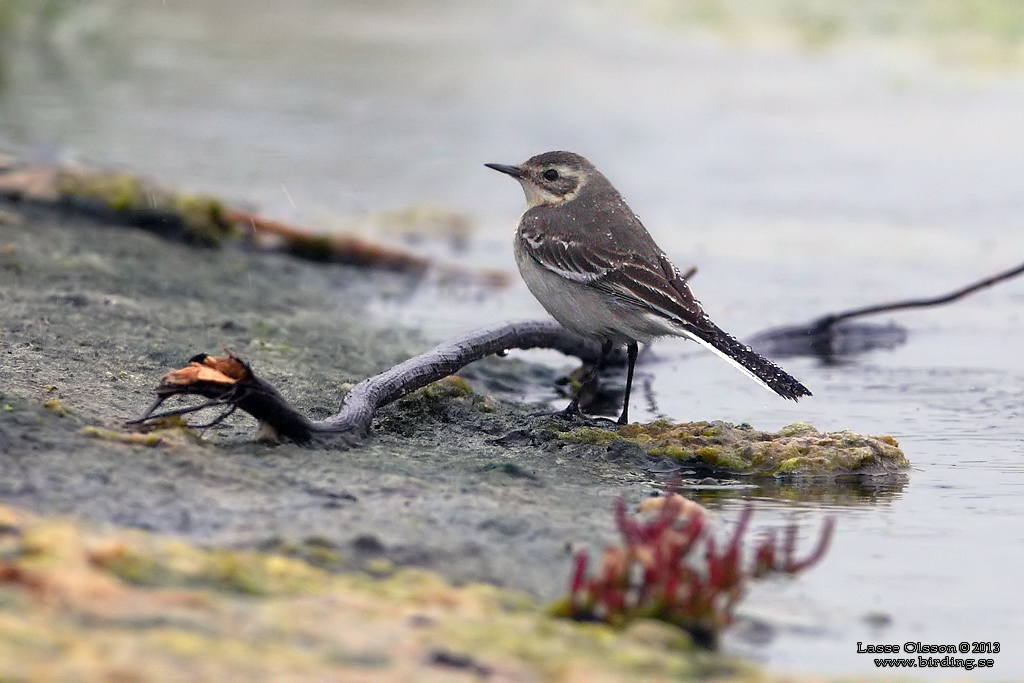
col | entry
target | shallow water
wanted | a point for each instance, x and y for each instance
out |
(798, 183)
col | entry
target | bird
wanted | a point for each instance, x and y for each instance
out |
(595, 268)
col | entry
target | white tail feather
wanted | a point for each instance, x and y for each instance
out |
(722, 354)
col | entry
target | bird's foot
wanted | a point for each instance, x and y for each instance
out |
(572, 413)
(580, 418)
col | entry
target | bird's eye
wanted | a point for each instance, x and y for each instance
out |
(550, 174)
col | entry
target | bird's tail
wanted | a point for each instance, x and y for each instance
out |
(747, 360)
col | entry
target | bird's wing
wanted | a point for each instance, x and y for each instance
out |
(658, 287)
(566, 257)
(648, 280)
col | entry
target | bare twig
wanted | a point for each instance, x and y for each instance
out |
(832, 336)
(827, 321)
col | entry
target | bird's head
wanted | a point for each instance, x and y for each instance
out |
(551, 178)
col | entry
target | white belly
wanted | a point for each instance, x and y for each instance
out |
(586, 310)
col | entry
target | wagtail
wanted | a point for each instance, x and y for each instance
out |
(592, 264)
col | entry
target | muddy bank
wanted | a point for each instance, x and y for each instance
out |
(94, 314)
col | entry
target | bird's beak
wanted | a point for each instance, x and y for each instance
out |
(513, 171)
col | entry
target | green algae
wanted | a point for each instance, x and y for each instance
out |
(166, 434)
(442, 389)
(795, 450)
(152, 561)
(441, 397)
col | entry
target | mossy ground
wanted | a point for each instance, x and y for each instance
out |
(81, 604)
(797, 449)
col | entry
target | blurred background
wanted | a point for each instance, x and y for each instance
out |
(806, 156)
(754, 131)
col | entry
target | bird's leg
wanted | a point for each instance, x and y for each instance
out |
(573, 409)
(631, 353)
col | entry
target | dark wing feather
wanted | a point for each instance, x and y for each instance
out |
(658, 288)
(566, 256)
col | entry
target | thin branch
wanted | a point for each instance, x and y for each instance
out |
(217, 420)
(150, 415)
(827, 321)
(830, 341)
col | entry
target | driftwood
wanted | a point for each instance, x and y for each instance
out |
(124, 198)
(832, 335)
(229, 383)
(354, 250)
